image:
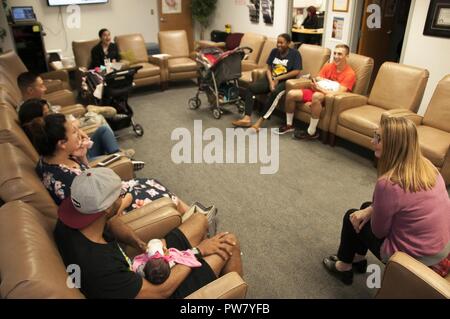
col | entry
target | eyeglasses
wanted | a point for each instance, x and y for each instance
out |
(123, 193)
(376, 138)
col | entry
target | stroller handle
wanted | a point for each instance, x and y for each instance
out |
(250, 50)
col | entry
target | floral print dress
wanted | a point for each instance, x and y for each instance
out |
(57, 179)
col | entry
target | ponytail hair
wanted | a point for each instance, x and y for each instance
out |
(46, 132)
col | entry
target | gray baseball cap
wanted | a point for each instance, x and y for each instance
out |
(92, 192)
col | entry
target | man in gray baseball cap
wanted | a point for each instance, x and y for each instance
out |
(88, 233)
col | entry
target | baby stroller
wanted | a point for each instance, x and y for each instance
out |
(116, 88)
(219, 75)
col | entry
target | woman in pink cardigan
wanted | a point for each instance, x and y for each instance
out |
(410, 211)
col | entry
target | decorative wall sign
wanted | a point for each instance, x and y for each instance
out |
(438, 19)
(253, 8)
(267, 7)
(171, 6)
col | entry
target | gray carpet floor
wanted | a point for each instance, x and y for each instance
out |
(286, 222)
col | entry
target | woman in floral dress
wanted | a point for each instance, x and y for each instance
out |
(63, 158)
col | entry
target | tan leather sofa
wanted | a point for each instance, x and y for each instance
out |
(153, 69)
(406, 278)
(363, 67)
(313, 58)
(82, 54)
(434, 128)
(255, 42)
(36, 271)
(179, 61)
(248, 67)
(57, 82)
(397, 87)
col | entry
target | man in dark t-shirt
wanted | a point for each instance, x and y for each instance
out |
(88, 233)
(284, 63)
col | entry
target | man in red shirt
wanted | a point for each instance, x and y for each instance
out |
(339, 72)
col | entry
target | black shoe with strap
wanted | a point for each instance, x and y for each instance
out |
(360, 266)
(345, 276)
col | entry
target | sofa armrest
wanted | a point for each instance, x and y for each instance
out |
(343, 102)
(417, 119)
(258, 74)
(248, 66)
(63, 98)
(405, 277)
(61, 75)
(53, 85)
(201, 44)
(76, 110)
(122, 167)
(229, 286)
(297, 84)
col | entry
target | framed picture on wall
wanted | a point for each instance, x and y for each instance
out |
(338, 28)
(438, 19)
(340, 5)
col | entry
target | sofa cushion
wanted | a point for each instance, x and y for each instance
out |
(434, 144)
(182, 65)
(364, 119)
(246, 77)
(147, 70)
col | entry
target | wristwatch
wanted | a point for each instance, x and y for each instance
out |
(197, 253)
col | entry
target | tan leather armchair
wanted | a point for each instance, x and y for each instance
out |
(255, 42)
(153, 70)
(363, 67)
(57, 82)
(36, 270)
(434, 127)
(397, 87)
(406, 278)
(248, 67)
(180, 63)
(82, 53)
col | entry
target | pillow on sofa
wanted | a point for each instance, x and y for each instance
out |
(129, 56)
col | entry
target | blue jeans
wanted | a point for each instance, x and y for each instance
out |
(104, 142)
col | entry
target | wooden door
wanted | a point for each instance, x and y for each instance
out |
(176, 15)
(377, 42)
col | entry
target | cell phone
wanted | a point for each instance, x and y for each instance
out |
(109, 160)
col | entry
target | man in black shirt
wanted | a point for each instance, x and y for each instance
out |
(284, 63)
(88, 233)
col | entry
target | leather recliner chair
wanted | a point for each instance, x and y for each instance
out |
(363, 67)
(434, 128)
(174, 47)
(255, 42)
(313, 58)
(397, 87)
(82, 53)
(153, 69)
(406, 278)
(57, 82)
(36, 271)
(248, 67)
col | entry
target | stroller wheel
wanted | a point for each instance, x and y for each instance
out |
(216, 113)
(194, 103)
(138, 129)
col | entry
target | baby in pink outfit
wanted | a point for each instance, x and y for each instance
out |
(155, 265)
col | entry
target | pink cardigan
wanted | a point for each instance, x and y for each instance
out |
(415, 223)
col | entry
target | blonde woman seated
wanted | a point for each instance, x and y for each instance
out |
(410, 210)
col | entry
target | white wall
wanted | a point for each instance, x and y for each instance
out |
(329, 42)
(230, 12)
(119, 16)
(7, 43)
(427, 52)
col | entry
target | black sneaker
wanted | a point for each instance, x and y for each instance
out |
(284, 129)
(303, 135)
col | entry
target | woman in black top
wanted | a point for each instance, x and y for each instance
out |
(105, 49)
(311, 21)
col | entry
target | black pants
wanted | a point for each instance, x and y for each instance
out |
(262, 86)
(353, 243)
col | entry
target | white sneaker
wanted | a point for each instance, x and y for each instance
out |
(211, 214)
(138, 165)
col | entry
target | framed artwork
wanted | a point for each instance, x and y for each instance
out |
(253, 8)
(171, 6)
(340, 5)
(338, 27)
(267, 8)
(438, 19)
